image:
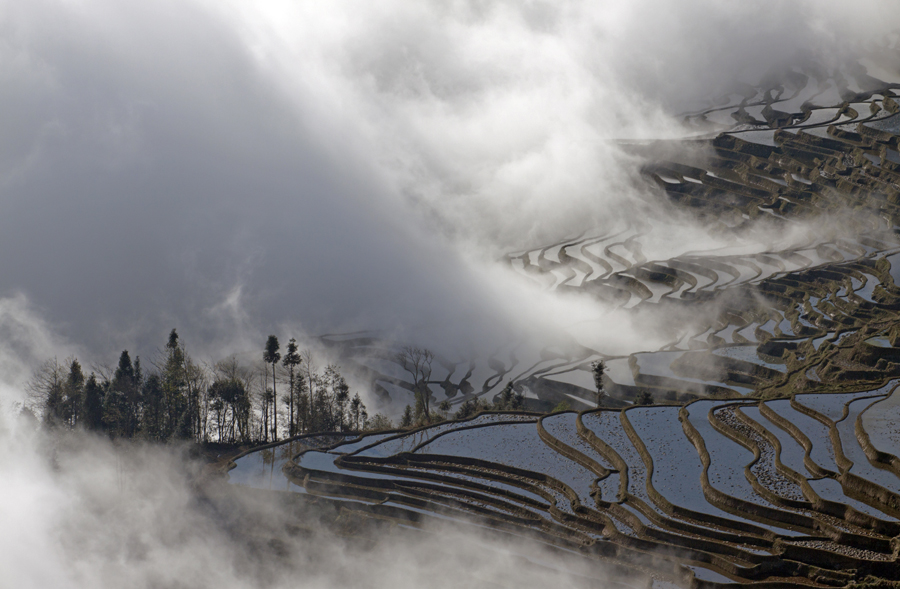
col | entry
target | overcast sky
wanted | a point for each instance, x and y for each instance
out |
(234, 169)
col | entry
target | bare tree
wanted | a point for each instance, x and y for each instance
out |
(196, 380)
(45, 390)
(417, 362)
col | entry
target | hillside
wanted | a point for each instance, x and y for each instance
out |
(769, 453)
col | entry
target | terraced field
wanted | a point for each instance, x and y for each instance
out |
(772, 453)
(701, 495)
(801, 176)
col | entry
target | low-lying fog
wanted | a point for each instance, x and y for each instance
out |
(80, 512)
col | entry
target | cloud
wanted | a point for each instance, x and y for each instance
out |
(80, 511)
(26, 340)
(341, 166)
(163, 172)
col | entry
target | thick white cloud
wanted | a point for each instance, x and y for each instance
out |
(81, 512)
(227, 167)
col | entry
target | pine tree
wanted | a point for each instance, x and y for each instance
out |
(123, 384)
(92, 407)
(74, 393)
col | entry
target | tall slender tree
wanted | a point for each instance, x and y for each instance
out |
(291, 360)
(302, 403)
(74, 393)
(271, 356)
(173, 380)
(308, 415)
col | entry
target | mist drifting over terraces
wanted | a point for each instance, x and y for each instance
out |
(233, 170)
(523, 188)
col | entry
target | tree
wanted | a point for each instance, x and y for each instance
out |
(322, 407)
(510, 399)
(303, 408)
(417, 362)
(518, 401)
(470, 407)
(177, 420)
(236, 399)
(153, 422)
(379, 423)
(291, 360)
(195, 380)
(114, 412)
(271, 356)
(74, 393)
(644, 398)
(560, 407)
(364, 417)
(267, 398)
(358, 413)
(124, 384)
(306, 402)
(598, 370)
(56, 393)
(341, 396)
(327, 398)
(506, 396)
(316, 396)
(138, 398)
(230, 399)
(407, 419)
(46, 392)
(92, 408)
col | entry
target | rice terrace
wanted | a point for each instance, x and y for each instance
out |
(762, 449)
